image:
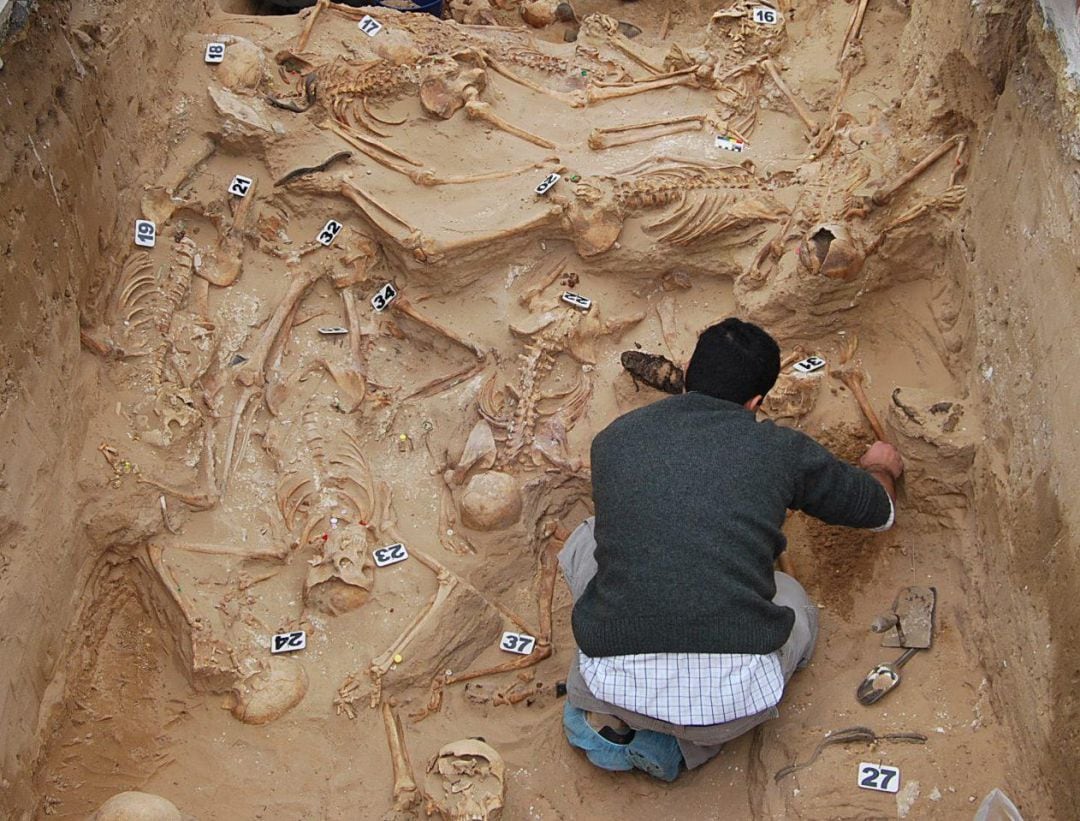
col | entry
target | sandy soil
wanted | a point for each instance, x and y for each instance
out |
(243, 467)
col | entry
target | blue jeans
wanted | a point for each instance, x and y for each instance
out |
(651, 752)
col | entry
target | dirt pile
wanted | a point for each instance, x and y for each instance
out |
(352, 304)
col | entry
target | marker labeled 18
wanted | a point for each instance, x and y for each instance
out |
(879, 777)
(215, 52)
(520, 643)
(288, 642)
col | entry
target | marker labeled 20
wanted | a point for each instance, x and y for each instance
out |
(520, 643)
(329, 232)
(383, 297)
(809, 365)
(878, 777)
(391, 554)
(547, 184)
(764, 16)
(288, 642)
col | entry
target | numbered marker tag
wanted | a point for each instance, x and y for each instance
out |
(577, 300)
(809, 365)
(385, 295)
(764, 16)
(240, 186)
(329, 232)
(391, 554)
(548, 182)
(215, 52)
(145, 233)
(520, 643)
(730, 144)
(370, 26)
(334, 330)
(879, 777)
(288, 642)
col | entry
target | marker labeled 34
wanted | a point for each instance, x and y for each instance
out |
(288, 642)
(383, 297)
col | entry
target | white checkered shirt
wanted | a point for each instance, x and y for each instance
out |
(691, 689)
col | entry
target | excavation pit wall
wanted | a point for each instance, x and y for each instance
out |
(1002, 278)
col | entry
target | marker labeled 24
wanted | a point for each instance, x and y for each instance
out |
(288, 642)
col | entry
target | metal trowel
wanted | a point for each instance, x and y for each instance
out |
(910, 625)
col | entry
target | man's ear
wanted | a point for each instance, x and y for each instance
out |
(753, 404)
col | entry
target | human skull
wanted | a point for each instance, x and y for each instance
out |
(271, 692)
(137, 806)
(833, 251)
(467, 782)
(491, 501)
(341, 576)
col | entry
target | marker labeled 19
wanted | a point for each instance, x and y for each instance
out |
(145, 233)
(288, 642)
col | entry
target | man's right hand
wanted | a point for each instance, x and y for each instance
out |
(884, 457)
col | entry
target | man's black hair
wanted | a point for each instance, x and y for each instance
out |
(734, 360)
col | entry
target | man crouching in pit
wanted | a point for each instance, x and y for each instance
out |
(686, 634)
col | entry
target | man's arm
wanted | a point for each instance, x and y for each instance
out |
(841, 494)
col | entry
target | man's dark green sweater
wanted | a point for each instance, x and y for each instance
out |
(690, 494)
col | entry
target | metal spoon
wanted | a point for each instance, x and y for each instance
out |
(882, 678)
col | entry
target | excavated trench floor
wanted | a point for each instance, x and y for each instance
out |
(262, 456)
